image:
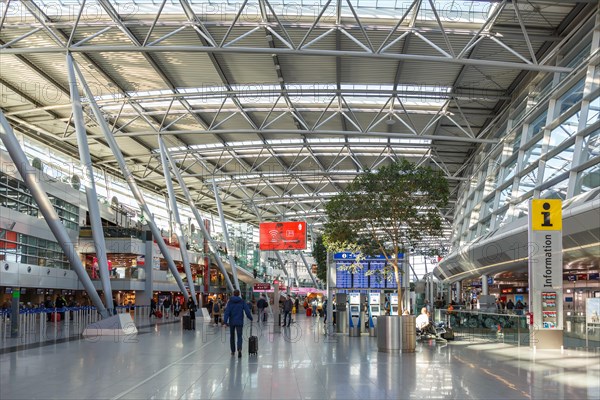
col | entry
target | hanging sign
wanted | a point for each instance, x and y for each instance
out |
(282, 235)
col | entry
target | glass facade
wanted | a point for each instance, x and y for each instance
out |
(16, 196)
(549, 148)
(21, 248)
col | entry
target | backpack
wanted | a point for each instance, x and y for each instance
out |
(216, 308)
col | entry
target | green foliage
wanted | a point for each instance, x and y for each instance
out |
(384, 212)
(319, 253)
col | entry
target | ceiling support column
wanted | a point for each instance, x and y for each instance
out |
(175, 211)
(130, 179)
(90, 186)
(31, 178)
(211, 243)
(226, 236)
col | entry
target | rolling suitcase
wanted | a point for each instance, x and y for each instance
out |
(55, 317)
(252, 344)
(187, 323)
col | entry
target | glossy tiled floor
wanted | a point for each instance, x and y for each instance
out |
(164, 362)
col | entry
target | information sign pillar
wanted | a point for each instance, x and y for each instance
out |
(545, 273)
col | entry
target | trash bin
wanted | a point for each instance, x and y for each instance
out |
(388, 333)
(409, 333)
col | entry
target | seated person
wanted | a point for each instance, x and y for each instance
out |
(423, 324)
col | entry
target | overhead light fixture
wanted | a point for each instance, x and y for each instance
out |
(390, 121)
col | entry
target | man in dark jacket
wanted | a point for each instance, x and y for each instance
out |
(234, 317)
(288, 304)
(262, 305)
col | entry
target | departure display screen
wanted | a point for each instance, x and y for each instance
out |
(343, 278)
(377, 280)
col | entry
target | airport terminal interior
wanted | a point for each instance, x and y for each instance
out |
(158, 155)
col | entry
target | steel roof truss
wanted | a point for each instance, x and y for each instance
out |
(383, 46)
(439, 22)
(199, 26)
(4, 14)
(39, 15)
(158, 14)
(312, 27)
(525, 35)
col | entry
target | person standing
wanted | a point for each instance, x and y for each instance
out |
(288, 304)
(167, 306)
(234, 317)
(217, 310)
(192, 308)
(60, 303)
(152, 308)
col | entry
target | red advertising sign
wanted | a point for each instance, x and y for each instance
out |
(262, 286)
(283, 235)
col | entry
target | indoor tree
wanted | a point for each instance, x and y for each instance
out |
(319, 253)
(385, 212)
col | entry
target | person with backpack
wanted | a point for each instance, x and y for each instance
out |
(234, 317)
(216, 310)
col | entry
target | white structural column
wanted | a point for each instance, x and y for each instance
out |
(175, 212)
(90, 186)
(130, 179)
(484, 285)
(31, 178)
(282, 263)
(211, 243)
(295, 270)
(312, 277)
(330, 273)
(236, 283)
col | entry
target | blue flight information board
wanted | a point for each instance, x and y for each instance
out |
(377, 280)
(360, 279)
(343, 278)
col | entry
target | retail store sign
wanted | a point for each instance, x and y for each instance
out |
(546, 263)
(282, 235)
(262, 287)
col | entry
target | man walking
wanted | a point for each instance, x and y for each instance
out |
(234, 317)
(262, 305)
(288, 304)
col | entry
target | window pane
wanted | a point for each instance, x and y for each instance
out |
(528, 182)
(558, 191)
(486, 208)
(594, 110)
(588, 179)
(509, 170)
(501, 218)
(516, 143)
(591, 146)
(564, 131)
(505, 195)
(532, 154)
(571, 97)
(558, 164)
(536, 126)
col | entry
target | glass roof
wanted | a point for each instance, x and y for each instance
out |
(475, 12)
